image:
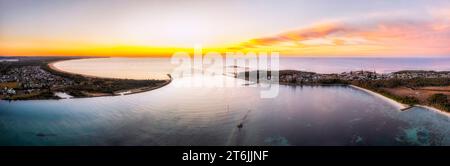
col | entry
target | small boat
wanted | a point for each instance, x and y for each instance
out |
(240, 125)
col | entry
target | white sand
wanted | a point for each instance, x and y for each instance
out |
(400, 105)
(393, 102)
(433, 109)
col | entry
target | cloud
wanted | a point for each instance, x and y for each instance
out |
(384, 36)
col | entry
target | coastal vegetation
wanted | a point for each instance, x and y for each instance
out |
(379, 87)
(45, 94)
(412, 91)
(440, 101)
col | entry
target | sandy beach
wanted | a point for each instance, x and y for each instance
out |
(53, 67)
(398, 105)
(433, 109)
(121, 92)
(391, 101)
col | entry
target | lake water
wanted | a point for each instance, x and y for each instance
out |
(172, 115)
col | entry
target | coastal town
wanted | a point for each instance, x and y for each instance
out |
(31, 79)
(291, 76)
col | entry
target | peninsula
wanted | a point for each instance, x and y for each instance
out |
(409, 87)
(35, 78)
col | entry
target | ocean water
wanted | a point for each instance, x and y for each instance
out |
(380, 65)
(173, 115)
(158, 68)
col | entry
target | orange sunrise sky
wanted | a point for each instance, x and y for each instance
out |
(162, 27)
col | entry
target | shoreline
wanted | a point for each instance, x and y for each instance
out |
(433, 109)
(52, 66)
(399, 105)
(142, 89)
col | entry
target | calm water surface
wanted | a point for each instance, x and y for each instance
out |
(302, 115)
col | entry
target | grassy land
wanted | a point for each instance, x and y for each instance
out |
(419, 91)
(9, 85)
